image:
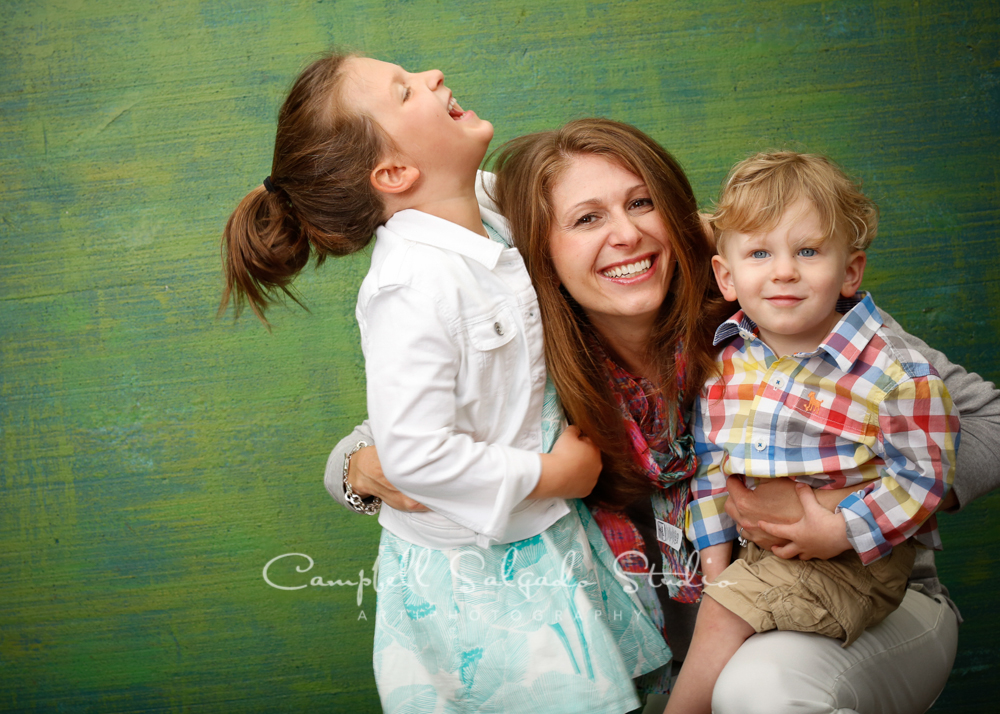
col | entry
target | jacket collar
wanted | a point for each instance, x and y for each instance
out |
(419, 227)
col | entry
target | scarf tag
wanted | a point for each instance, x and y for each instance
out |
(669, 534)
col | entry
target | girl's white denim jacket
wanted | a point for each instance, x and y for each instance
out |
(452, 338)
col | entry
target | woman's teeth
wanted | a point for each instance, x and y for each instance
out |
(627, 271)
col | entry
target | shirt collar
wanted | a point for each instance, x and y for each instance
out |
(844, 344)
(421, 227)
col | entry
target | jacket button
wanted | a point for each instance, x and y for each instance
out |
(498, 328)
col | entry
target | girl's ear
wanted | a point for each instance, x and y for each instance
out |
(724, 277)
(392, 177)
(854, 273)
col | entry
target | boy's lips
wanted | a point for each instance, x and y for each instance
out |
(784, 300)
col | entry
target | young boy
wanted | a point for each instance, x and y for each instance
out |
(811, 387)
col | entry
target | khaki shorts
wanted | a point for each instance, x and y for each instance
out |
(838, 598)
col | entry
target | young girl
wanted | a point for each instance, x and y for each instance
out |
(492, 600)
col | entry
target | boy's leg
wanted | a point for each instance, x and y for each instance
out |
(718, 633)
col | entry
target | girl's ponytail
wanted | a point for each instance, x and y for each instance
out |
(320, 200)
(262, 250)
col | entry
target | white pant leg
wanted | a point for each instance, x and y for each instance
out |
(899, 666)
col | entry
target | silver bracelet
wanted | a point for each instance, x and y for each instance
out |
(369, 506)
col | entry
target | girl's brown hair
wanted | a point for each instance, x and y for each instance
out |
(323, 202)
(527, 170)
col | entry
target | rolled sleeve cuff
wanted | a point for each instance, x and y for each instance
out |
(863, 532)
(524, 468)
(707, 522)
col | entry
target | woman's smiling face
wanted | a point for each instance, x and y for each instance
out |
(609, 245)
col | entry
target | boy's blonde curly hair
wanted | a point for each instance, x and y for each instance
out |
(760, 188)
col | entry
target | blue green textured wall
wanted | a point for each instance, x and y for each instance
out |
(154, 459)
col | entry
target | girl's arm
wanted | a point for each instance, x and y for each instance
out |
(570, 471)
(413, 347)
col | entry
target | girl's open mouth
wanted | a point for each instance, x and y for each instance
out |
(455, 111)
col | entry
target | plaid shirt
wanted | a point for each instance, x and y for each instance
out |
(861, 410)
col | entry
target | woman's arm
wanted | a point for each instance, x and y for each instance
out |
(977, 470)
(364, 474)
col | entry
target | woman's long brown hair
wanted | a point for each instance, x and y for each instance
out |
(323, 203)
(527, 169)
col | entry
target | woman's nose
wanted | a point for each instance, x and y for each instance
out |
(625, 232)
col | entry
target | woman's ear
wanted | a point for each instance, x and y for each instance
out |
(853, 273)
(724, 277)
(392, 177)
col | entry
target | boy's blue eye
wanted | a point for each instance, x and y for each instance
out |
(808, 252)
(759, 254)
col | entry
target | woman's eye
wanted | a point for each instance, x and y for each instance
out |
(641, 203)
(759, 254)
(808, 252)
(586, 220)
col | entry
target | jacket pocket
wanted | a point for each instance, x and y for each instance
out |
(489, 333)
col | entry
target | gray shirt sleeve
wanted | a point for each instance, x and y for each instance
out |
(977, 470)
(333, 479)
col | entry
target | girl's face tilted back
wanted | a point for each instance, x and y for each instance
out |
(416, 110)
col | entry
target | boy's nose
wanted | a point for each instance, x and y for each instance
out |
(784, 269)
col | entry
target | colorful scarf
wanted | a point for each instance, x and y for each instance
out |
(663, 448)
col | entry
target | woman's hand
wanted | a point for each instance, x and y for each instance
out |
(777, 503)
(820, 533)
(366, 479)
(773, 500)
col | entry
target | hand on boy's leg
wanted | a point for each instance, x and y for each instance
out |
(820, 533)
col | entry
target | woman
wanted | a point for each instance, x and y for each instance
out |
(607, 225)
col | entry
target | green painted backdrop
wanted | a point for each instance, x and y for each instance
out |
(153, 459)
